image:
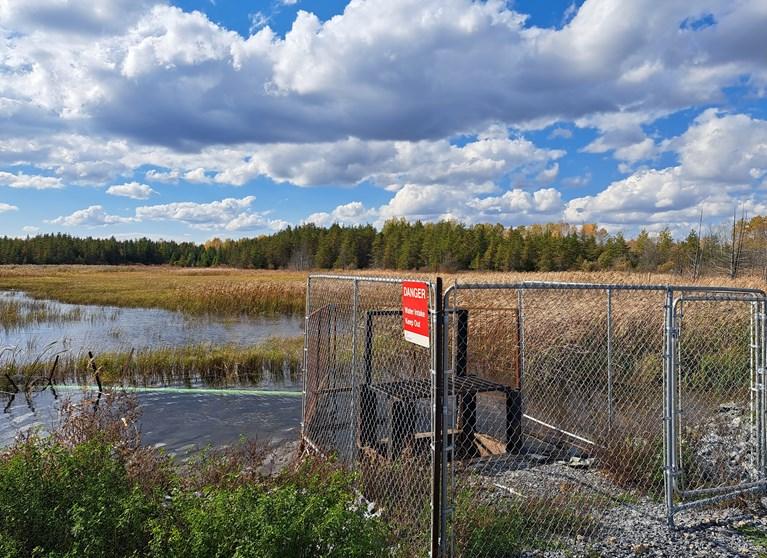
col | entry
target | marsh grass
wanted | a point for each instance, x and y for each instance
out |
(209, 291)
(252, 292)
(276, 360)
(16, 314)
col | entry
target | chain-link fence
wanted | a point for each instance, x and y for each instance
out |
(570, 414)
(368, 398)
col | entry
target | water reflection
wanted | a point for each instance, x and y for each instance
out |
(177, 419)
(107, 329)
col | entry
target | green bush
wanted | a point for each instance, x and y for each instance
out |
(91, 490)
(58, 501)
(319, 519)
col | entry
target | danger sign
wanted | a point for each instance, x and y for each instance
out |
(415, 312)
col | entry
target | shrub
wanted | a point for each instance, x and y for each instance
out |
(292, 519)
(79, 501)
(91, 490)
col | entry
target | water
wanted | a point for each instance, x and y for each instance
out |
(106, 329)
(180, 421)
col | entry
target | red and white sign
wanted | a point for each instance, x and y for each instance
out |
(415, 312)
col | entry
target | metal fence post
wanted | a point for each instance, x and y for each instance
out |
(609, 359)
(669, 406)
(438, 421)
(305, 363)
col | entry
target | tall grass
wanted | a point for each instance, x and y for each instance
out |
(16, 314)
(253, 292)
(213, 291)
(276, 360)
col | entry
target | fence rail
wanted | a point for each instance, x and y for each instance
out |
(542, 414)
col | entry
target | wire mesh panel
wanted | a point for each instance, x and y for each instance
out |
(563, 447)
(368, 399)
(719, 361)
(578, 418)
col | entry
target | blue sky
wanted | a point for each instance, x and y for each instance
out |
(204, 118)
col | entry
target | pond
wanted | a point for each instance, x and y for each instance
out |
(79, 328)
(181, 421)
(177, 419)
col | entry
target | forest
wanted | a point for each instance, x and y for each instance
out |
(732, 249)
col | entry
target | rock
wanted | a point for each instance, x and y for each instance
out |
(729, 407)
(640, 549)
(580, 462)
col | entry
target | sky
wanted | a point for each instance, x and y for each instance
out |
(196, 119)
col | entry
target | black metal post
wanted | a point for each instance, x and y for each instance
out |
(467, 401)
(368, 407)
(438, 421)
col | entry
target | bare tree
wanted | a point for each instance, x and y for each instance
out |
(736, 247)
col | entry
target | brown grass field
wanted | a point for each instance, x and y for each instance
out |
(252, 292)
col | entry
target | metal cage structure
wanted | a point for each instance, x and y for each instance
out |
(542, 415)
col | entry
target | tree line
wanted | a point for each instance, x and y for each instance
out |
(734, 248)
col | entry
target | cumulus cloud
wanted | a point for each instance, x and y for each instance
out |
(353, 75)
(133, 190)
(352, 213)
(30, 181)
(92, 216)
(393, 164)
(5, 207)
(723, 147)
(722, 160)
(94, 91)
(230, 214)
(30, 229)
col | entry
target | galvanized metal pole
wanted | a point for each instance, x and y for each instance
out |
(668, 413)
(521, 310)
(754, 398)
(305, 356)
(609, 360)
(763, 392)
(438, 413)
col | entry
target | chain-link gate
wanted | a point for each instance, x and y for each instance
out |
(717, 437)
(546, 417)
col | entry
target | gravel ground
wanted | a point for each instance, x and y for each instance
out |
(625, 525)
(636, 528)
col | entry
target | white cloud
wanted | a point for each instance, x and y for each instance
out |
(92, 216)
(490, 157)
(197, 175)
(133, 190)
(4, 208)
(562, 133)
(230, 214)
(94, 90)
(723, 147)
(722, 159)
(352, 213)
(548, 174)
(353, 75)
(30, 181)
(30, 229)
